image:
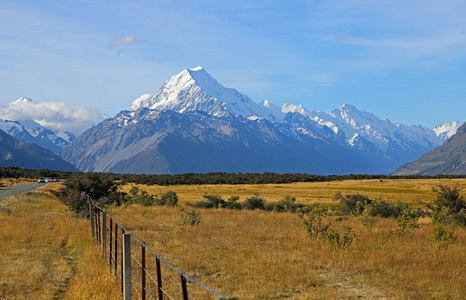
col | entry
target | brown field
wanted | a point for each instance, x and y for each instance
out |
(5, 182)
(266, 255)
(45, 253)
(406, 190)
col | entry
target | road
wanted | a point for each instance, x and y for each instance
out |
(19, 189)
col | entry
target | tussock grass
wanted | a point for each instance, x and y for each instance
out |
(391, 190)
(266, 255)
(46, 253)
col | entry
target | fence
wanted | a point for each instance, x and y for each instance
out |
(135, 264)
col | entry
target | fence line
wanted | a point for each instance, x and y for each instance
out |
(136, 279)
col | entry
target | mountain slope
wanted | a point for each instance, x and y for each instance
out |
(17, 153)
(191, 111)
(159, 142)
(31, 132)
(450, 158)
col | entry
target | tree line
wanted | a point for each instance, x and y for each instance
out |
(206, 178)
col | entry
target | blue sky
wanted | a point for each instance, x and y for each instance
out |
(401, 60)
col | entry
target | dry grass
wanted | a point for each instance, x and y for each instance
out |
(6, 182)
(45, 253)
(409, 191)
(264, 255)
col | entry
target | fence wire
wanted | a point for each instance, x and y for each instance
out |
(113, 246)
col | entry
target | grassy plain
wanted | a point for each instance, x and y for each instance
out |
(45, 253)
(266, 255)
(391, 190)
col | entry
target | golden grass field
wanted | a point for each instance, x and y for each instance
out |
(46, 253)
(406, 190)
(266, 255)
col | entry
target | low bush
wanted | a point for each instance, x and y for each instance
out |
(191, 218)
(443, 237)
(254, 202)
(449, 206)
(169, 198)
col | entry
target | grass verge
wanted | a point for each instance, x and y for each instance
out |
(46, 253)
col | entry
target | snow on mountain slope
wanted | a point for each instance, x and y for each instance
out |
(382, 133)
(31, 132)
(446, 130)
(195, 89)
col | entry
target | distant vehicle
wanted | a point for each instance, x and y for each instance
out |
(48, 180)
(56, 179)
(41, 180)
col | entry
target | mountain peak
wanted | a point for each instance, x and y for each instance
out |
(21, 100)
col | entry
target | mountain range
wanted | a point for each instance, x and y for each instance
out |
(32, 132)
(195, 124)
(16, 153)
(450, 158)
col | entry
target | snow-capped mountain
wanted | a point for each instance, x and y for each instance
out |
(195, 124)
(352, 125)
(160, 142)
(450, 158)
(195, 89)
(446, 130)
(32, 132)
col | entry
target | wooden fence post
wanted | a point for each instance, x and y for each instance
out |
(110, 227)
(91, 210)
(143, 270)
(104, 233)
(127, 266)
(159, 278)
(184, 290)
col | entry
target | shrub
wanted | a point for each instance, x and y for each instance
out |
(191, 218)
(77, 202)
(287, 204)
(352, 204)
(407, 220)
(342, 240)
(313, 221)
(141, 197)
(216, 200)
(383, 209)
(449, 206)
(232, 203)
(254, 202)
(443, 237)
(169, 198)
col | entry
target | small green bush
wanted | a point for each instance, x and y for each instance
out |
(191, 218)
(254, 202)
(313, 220)
(443, 237)
(407, 220)
(232, 203)
(141, 197)
(449, 206)
(169, 198)
(342, 240)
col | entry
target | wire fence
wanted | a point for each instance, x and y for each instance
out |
(141, 272)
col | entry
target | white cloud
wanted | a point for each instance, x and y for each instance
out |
(56, 116)
(124, 41)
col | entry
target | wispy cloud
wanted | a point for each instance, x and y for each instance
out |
(124, 41)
